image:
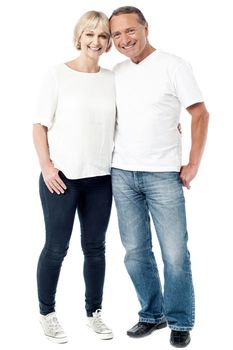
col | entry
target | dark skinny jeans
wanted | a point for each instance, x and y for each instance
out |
(92, 198)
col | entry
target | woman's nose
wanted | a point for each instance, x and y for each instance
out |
(95, 40)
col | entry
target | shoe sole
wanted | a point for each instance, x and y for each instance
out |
(180, 346)
(107, 336)
(156, 327)
(102, 336)
(57, 340)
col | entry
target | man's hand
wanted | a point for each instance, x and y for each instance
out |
(187, 174)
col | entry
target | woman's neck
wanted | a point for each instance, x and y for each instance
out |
(83, 64)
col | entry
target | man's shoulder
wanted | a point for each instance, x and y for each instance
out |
(172, 61)
(159, 58)
(171, 58)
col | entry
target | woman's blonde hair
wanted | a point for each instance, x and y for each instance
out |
(90, 20)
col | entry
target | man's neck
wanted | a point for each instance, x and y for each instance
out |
(146, 52)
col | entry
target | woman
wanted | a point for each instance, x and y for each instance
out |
(73, 137)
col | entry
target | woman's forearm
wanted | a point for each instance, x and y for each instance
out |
(40, 139)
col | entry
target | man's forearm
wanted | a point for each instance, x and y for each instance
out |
(200, 119)
(199, 128)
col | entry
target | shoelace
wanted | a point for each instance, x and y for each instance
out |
(54, 325)
(97, 320)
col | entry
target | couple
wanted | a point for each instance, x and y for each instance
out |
(73, 136)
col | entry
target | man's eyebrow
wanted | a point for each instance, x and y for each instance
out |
(117, 31)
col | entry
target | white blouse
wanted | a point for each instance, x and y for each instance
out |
(79, 111)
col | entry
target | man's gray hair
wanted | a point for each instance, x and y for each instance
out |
(129, 9)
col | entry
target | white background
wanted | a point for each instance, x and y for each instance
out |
(36, 34)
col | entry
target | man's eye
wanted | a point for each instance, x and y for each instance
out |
(131, 31)
(116, 35)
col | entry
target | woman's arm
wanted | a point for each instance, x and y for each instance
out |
(49, 172)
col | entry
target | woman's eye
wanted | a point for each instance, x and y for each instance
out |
(103, 36)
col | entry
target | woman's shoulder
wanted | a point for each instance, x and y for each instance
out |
(106, 70)
(54, 69)
(108, 73)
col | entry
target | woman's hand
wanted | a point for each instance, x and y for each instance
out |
(53, 180)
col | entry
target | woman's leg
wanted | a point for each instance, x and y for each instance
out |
(94, 209)
(59, 212)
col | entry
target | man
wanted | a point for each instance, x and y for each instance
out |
(147, 175)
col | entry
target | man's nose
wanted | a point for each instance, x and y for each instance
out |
(125, 38)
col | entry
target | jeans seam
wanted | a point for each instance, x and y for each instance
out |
(153, 263)
(46, 206)
(193, 303)
(174, 328)
(152, 320)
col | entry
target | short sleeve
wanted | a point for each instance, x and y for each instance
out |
(185, 85)
(47, 100)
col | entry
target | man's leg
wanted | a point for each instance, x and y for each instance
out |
(135, 233)
(166, 203)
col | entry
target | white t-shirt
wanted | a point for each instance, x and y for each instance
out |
(79, 110)
(149, 97)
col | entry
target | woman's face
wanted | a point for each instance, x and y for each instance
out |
(94, 42)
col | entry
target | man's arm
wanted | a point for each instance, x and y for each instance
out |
(199, 127)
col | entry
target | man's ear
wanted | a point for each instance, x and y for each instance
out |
(146, 28)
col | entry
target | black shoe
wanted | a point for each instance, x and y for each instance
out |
(141, 329)
(180, 339)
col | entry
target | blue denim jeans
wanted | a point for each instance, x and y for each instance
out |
(137, 194)
(91, 198)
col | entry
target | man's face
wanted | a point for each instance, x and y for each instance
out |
(129, 36)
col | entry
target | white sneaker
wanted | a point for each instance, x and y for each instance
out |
(97, 325)
(52, 328)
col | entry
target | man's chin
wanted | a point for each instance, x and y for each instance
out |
(127, 53)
